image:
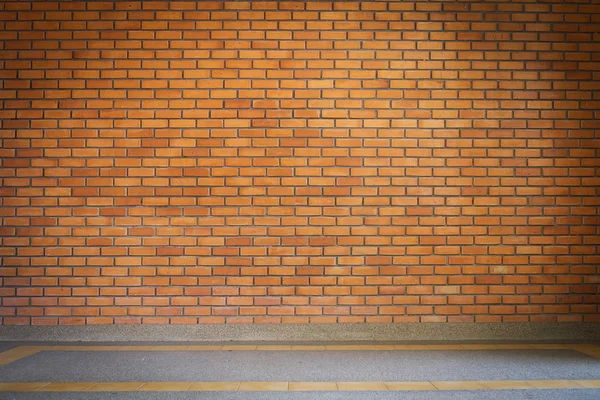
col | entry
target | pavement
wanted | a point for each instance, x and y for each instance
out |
(160, 370)
(565, 394)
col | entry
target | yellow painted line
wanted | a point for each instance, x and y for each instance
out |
(114, 387)
(377, 347)
(409, 386)
(204, 348)
(557, 384)
(446, 347)
(412, 347)
(362, 386)
(497, 346)
(17, 353)
(550, 346)
(87, 348)
(25, 351)
(22, 386)
(591, 384)
(165, 386)
(214, 387)
(67, 386)
(585, 346)
(170, 348)
(458, 385)
(499, 385)
(294, 386)
(263, 387)
(341, 347)
(127, 348)
(309, 348)
(312, 386)
(240, 347)
(274, 348)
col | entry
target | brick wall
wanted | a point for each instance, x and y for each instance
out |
(299, 162)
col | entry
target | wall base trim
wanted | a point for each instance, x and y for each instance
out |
(407, 332)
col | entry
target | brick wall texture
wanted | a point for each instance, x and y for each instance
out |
(193, 162)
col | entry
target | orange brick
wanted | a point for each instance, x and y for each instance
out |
(264, 162)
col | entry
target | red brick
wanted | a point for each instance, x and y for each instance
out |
(265, 162)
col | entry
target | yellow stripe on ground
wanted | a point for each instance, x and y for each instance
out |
(17, 353)
(25, 351)
(293, 386)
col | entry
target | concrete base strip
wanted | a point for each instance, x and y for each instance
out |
(415, 332)
(292, 386)
(20, 352)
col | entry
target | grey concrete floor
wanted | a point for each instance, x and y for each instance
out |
(313, 366)
(564, 394)
(309, 366)
(8, 345)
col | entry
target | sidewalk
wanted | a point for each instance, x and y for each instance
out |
(298, 371)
